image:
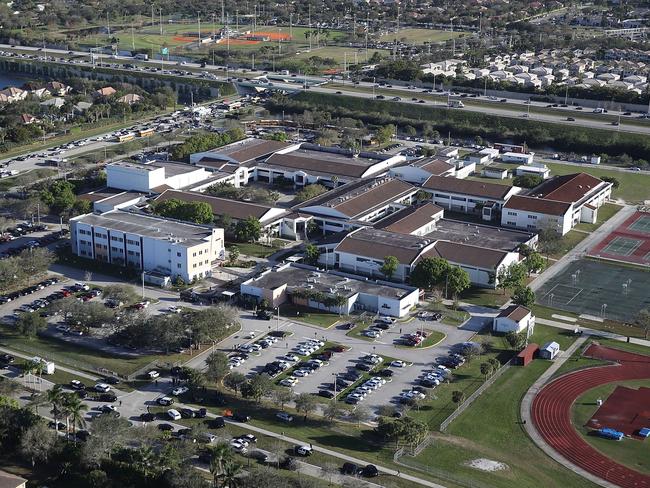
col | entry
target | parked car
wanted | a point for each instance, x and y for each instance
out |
(303, 451)
(284, 416)
(350, 469)
(165, 401)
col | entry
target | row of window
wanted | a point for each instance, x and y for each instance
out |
(132, 242)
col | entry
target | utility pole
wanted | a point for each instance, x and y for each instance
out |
(310, 26)
(160, 18)
(367, 31)
(223, 11)
(152, 22)
(199, 18)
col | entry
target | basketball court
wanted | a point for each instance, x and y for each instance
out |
(629, 242)
(599, 289)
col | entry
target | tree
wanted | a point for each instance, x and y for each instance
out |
(309, 192)
(385, 133)
(234, 381)
(37, 443)
(527, 181)
(360, 414)
(388, 430)
(642, 320)
(29, 324)
(332, 411)
(74, 409)
(457, 280)
(305, 404)
(517, 340)
(232, 470)
(550, 242)
(457, 397)
(195, 379)
(534, 263)
(197, 212)
(610, 179)
(217, 366)
(121, 293)
(311, 254)
(412, 430)
(486, 369)
(257, 387)
(389, 267)
(282, 396)
(472, 350)
(233, 255)
(524, 296)
(55, 399)
(514, 276)
(220, 454)
(248, 230)
(59, 196)
(429, 272)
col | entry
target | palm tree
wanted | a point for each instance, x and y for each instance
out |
(221, 454)
(74, 409)
(231, 472)
(55, 398)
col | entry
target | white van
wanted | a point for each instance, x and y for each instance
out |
(174, 414)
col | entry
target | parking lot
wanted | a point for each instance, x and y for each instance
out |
(404, 378)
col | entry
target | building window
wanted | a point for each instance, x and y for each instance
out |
(512, 213)
(137, 254)
(532, 217)
(178, 265)
(194, 266)
(511, 223)
(130, 253)
(200, 252)
(178, 254)
(194, 254)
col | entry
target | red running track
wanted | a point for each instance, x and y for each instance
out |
(551, 413)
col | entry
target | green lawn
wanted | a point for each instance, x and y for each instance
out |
(254, 249)
(491, 429)
(26, 178)
(420, 36)
(79, 357)
(568, 242)
(340, 54)
(605, 213)
(608, 325)
(485, 297)
(309, 315)
(630, 452)
(633, 186)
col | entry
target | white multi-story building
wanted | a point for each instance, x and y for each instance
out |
(153, 178)
(152, 244)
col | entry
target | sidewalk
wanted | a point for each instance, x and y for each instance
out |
(593, 332)
(532, 431)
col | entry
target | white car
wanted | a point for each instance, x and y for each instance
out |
(102, 388)
(304, 352)
(245, 348)
(292, 358)
(77, 385)
(174, 309)
(239, 445)
(250, 335)
(371, 333)
(316, 343)
(398, 364)
(284, 416)
(289, 381)
(301, 373)
(62, 328)
(378, 379)
(174, 414)
(255, 347)
(153, 374)
(165, 401)
(304, 451)
(179, 390)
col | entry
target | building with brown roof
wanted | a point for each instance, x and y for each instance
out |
(270, 218)
(514, 318)
(469, 196)
(558, 204)
(358, 203)
(328, 166)
(240, 158)
(419, 171)
(363, 252)
(130, 99)
(416, 220)
(107, 91)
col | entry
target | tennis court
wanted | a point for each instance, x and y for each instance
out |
(641, 224)
(598, 288)
(629, 242)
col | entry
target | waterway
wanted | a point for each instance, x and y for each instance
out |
(10, 79)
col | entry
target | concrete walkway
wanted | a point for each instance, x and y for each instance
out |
(532, 431)
(344, 457)
(592, 332)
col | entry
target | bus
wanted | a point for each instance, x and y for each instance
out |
(125, 137)
(146, 133)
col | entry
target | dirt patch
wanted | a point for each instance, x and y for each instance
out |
(185, 39)
(487, 465)
(274, 36)
(239, 42)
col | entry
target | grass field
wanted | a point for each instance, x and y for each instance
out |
(568, 242)
(420, 36)
(78, 357)
(340, 54)
(630, 452)
(309, 315)
(26, 178)
(605, 213)
(491, 429)
(253, 249)
(633, 186)
(177, 36)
